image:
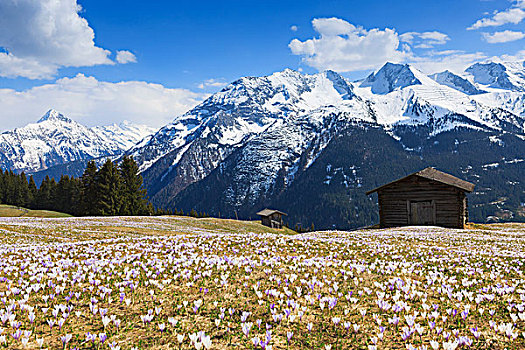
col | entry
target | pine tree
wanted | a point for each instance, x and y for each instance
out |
(2, 186)
(44, 196)
(110, 190)
(134, 200)
(32, 191)
(88, 190)
(63, 198)
(109, 199)
(23, 196)
(10, 188)
(151, 209)
(75, 192)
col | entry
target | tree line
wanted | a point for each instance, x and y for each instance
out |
(111, 190)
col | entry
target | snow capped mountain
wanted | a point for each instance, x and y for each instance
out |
(391, 77)
(456, 82)
(507, 76)
(254, 141)
(56, 139)
(436, 105)
(296, 140)
(53, 115)
(195, 143)
(125, 134)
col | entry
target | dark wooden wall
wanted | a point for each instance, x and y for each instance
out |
(276, 218)
(450, 202)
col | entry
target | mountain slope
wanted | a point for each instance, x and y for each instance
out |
(312, 144)
(125, 135)
(188, 149)
(456, 82)
(508, 76)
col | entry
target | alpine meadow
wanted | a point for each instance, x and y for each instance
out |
(262, 175)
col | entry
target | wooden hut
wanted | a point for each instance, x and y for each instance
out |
(271, 218)
(427, 197)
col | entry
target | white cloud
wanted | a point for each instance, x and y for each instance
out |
(424, 40)
(333, 26)
(93, 102)
(503, 37)
(12, 67)
(212, 83)
(518, 56)
(515, 14)
(41, 36)
(343, 47)
(125, 56)
(453, 60)
(294, 28)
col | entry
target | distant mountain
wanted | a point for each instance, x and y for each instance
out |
(125, 135)
(312, 144)
(456, 82)
(509, 76)
(55, 140)
(390, 77)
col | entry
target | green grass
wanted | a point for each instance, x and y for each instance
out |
(229, 225)
(12, 211)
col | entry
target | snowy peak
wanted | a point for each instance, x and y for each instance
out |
(56, 139)
(53, 115)
(124, 134)
(391, 77)
(507, 76)
(340, 84)
(456, 82)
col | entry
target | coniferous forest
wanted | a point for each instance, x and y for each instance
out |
(106, 191)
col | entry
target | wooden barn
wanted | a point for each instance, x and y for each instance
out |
(427, 197)
(271, 218)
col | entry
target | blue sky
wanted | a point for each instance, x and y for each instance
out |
(174, 53)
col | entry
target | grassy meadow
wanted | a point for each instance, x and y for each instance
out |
(13, 211)
(186, 283)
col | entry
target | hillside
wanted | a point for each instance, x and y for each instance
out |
(11, 211)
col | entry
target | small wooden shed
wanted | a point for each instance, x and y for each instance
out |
(272, 218)
(427, 197)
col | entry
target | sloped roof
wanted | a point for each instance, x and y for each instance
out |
(435, 175)
(268, 212)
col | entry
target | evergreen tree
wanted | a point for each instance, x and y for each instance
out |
(151, 209)
(2, 186)
(11, 188)
(89, 190)
(134, 200)
(109, 184)
(67, 195)
(110, 190)
(32, 191)
(23, 196)
(44, 196)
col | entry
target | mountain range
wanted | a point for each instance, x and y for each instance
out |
(311, 145)
(57, 140)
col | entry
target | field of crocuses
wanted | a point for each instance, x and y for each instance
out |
(183, 283)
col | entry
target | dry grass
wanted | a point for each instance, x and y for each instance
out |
(11, 211)
(134, 267)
